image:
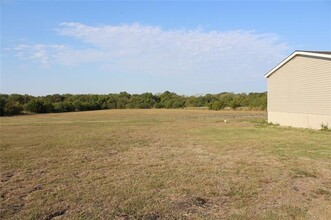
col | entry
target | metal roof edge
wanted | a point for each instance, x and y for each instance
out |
(295, 53)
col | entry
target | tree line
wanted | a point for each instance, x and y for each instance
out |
(15, 104)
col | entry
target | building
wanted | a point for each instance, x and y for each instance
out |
(299, 90)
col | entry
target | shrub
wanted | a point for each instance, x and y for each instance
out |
(325, 126)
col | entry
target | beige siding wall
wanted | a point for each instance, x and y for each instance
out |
(301, 86)
(299, 120)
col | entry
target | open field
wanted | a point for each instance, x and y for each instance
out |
(162, 164)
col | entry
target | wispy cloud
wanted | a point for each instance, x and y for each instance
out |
(44, 54)
(144, 49)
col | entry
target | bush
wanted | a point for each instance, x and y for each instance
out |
(325, 126)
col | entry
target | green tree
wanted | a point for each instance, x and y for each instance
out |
(112, 101)
(36, 106)
(78, 106)
(13, 108)
(217, 105)
(3, 101)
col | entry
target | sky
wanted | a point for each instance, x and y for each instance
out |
(187, 47)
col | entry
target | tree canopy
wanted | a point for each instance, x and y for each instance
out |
(14, 104)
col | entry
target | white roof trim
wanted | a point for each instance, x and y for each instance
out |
(293, 55)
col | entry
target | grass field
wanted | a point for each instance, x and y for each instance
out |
(162, 164)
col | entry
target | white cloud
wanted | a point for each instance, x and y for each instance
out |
(39, 52)
(144, 49)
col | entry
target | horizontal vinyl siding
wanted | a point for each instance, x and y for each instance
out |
(303, 85)
(299, 120)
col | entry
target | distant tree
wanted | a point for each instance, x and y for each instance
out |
(121, 103)
(167, 103)
(104, 105)
(3, 101)
(36, 106)
(78, 106)
(102, 101)
(112, 101)
(68, 106)
(22, 99)
(158, 105)
(123, 100)
(147, 100)
(193, 101)
(171, 100)
(54, 98)
(235, 102)
(263, 101)
(58, 107)
(217, 105)
(85, 102)
(177, 104)
(208, 98)
(13, 108)
(48, 107)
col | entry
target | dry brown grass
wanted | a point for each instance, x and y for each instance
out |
(162, 164)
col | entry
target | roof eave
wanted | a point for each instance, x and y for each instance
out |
(293, 55)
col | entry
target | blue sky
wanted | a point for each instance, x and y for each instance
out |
(186, 47)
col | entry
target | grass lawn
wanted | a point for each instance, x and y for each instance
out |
(162, 164)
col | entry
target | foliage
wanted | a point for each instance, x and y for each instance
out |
(15, 103)
(39, 105)
(13, 108)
